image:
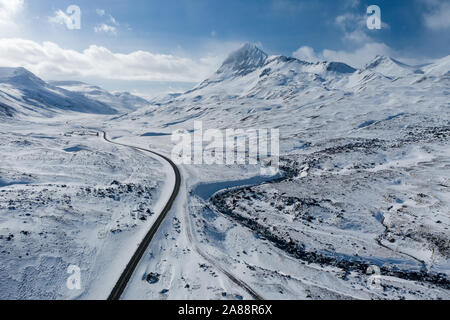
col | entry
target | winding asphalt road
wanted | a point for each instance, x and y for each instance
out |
(121, 284)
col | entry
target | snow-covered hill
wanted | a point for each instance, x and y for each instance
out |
(392, 68)
(24, 94)
(121, 101)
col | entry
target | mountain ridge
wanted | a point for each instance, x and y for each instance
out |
(26, 94)
(246, 72)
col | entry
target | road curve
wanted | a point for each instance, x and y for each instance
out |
(125, 277)
(122, 283)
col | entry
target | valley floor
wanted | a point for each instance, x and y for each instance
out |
(345, 205)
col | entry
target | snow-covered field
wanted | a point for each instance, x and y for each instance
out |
(365, 163)
(70, 198)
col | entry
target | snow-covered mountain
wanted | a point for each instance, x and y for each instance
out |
(251, 72)
(390, 67)
(23, 93)
(250, 81)
(121, 101)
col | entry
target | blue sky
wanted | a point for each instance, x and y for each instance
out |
(153, 45)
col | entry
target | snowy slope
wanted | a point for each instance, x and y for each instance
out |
(69, 198)
(22, 93)
(121, 101)
(392, 68)
(440, 67)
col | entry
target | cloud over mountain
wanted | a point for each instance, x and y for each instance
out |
(49, 60)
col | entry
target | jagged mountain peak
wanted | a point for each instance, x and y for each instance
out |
(243, 61)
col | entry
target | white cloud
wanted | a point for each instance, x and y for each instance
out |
(104, 28)
(357, 36)
(50, 61)
(354, 27)
(60, 17)
(354, 34)
(109, 27)
(306, 53)
(352, 3)
(350, 21)
(437, 16)
(113, 20)
(9, 9)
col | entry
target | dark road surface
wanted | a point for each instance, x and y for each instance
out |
(121, 284)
